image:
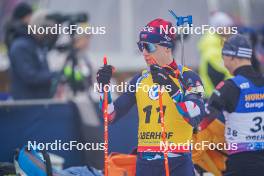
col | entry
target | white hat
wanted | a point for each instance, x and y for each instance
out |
(220, 19)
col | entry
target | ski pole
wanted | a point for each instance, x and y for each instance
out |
(105, 126)
(182, 49)
(163, 131)
(180, 22)
(166, 160)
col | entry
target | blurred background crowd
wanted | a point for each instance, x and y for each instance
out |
(63, 67)
(123, 21)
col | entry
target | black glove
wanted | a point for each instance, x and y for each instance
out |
(104, 74)
(161, 76)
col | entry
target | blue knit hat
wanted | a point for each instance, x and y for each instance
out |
(153, 33)
(237, 46)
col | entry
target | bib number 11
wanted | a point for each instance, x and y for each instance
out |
(148, 109)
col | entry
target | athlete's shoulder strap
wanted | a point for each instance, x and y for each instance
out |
(239, 80)
(145, 71)
(144, 74)
(183, 69)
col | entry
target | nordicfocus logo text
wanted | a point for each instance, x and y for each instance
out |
(58, 145)
(198, 30)
(203, 145)
(126, 87)
(68, 30)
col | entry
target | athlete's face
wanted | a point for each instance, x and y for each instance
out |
(229, 63)
(161, 55)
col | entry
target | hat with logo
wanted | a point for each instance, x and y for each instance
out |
(237, 46)
(158, 31)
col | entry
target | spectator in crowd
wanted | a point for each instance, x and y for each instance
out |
(211, 67)
(31, 77)
(83, 68)
(259, 51)
(17, 25)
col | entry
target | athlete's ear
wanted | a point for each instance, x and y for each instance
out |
(168, 49)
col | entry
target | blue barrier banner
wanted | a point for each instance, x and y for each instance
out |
(40, 123)
(61, 123)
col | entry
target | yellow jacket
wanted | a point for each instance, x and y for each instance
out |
(210, 48)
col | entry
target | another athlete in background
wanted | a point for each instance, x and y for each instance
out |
(242, 100)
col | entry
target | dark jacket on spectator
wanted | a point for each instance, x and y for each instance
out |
(14, 29)
(30, 74)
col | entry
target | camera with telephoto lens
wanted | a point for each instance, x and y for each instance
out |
(71, 19)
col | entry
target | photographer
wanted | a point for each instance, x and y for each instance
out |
(82, 78)
(30, 74)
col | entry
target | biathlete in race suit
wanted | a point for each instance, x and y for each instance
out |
(241, 99)
(183, 105)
